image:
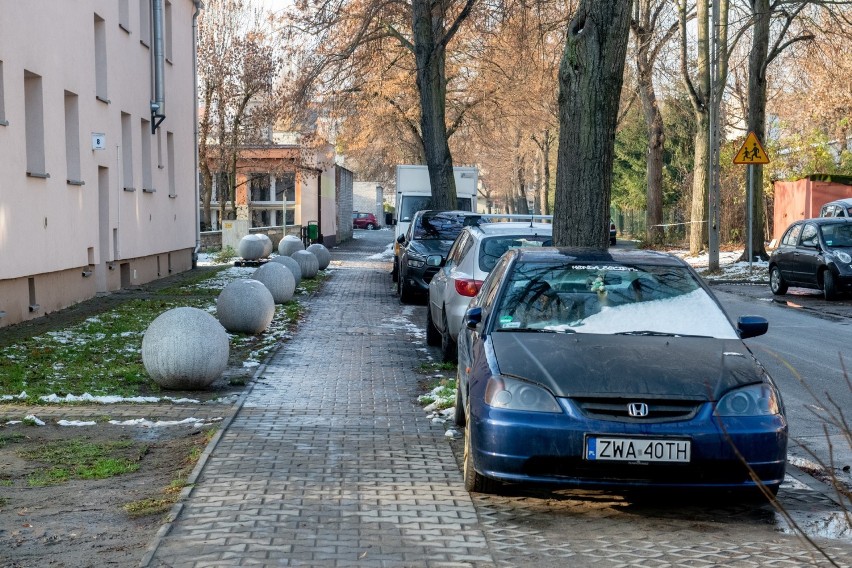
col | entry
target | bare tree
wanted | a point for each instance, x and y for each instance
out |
(590, 80)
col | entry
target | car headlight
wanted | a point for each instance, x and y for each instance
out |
(753, 400)
(843, 257)
(512, 394)
(416, 261)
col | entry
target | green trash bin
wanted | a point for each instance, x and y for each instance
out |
(313, 231)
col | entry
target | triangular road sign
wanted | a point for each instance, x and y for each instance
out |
(751, 152)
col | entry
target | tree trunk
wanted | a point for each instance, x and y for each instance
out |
(590, 79)
(698, 227)
(427, 27)
(757, 61)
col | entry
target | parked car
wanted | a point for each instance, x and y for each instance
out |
(613, 369)
(814, 253)
(431, 232)
(472, 256)
(364, 221)
(838, 208)
(612, 231)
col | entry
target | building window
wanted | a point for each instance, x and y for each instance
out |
(127, 152)
(3, 121)
(170, 156)
(285, 187)
(145, 22)
(124, 15)
(34, 118)
(72, 138)
(100, 59)
(167, 30)
(147, 183)
(259, 187)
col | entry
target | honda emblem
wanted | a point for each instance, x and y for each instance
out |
(637, 409)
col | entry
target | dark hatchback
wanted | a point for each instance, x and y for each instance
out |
(430, 233)
(613, 369)
(814, 253)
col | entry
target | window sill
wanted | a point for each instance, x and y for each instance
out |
(4, 123)
(75, 182)
(123, 28)
(102, 99)
(129, 189)
(39, 175)
(143, 44)
(173, 195)
(148, 190)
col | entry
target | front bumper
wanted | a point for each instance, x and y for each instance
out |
(518, 446)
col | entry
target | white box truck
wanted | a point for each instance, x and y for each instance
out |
(414, 192)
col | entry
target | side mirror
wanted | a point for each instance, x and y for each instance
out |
(752, 326)
(401, 239)
(473, 317)
(434, 260)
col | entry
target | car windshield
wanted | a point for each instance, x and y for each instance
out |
(440, 226)
(492, 248)
(837, 235)
(609, 299)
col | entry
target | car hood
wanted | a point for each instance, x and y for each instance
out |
(591, 365)
(430, 246)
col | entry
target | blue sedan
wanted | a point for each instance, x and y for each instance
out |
(614, 369)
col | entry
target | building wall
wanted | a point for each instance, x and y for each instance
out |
(369, 198)
(802, 199)
(344, 203)
(86, 186)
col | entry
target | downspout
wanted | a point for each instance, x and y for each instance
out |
(158, 105)
(199, 5)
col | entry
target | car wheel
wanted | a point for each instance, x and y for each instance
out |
(473, 481)
(433, 336)
(370, 227)
(776, 282)
(448, 346)
(458, 415)
(829, 286)
(406, 296)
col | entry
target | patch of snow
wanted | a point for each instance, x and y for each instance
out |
(76, 423)
(34, 419)
(145, 423)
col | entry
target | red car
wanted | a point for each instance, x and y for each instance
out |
(364, 221)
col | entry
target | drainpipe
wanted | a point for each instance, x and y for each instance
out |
(158, 105)
(199, 5)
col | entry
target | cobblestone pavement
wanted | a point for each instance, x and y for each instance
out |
(330, 461)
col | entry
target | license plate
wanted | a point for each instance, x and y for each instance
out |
(602, 448)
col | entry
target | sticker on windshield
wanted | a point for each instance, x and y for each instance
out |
(613, 267)
(511, 324)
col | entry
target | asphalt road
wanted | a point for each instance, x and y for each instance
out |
(805, 351)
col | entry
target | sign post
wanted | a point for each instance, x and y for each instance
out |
(751, 153)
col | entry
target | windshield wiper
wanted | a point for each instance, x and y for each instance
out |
(649, 333)
(536, 330)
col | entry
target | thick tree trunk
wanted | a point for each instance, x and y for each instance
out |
(428, 26)
(698, 228)
(590, 80)
(654, 158)
(544, 205)
(757, 119)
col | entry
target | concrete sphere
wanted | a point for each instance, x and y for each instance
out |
(291, 264)
(307, 262)
(185, 349)
(290, 244)
(253, 247)
(245, 306)
(278, 280)
(322, 254)
(267, 245)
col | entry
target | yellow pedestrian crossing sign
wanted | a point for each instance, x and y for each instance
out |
(751, 152)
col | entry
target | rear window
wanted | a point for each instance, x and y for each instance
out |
(492, 248)
(441, 226)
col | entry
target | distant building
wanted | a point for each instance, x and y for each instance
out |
(97, 149)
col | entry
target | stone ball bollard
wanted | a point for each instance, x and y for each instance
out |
(253, 247)
(267, 245)
(322, 254)
(290, 263)
(245, 306)
(278, 280)
(307, 262)
(185, 349)
(290, 244)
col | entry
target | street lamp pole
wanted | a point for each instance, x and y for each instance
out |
(713, 192)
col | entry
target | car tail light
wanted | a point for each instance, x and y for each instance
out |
(468, 287)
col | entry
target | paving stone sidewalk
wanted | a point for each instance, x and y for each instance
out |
(329, 461)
